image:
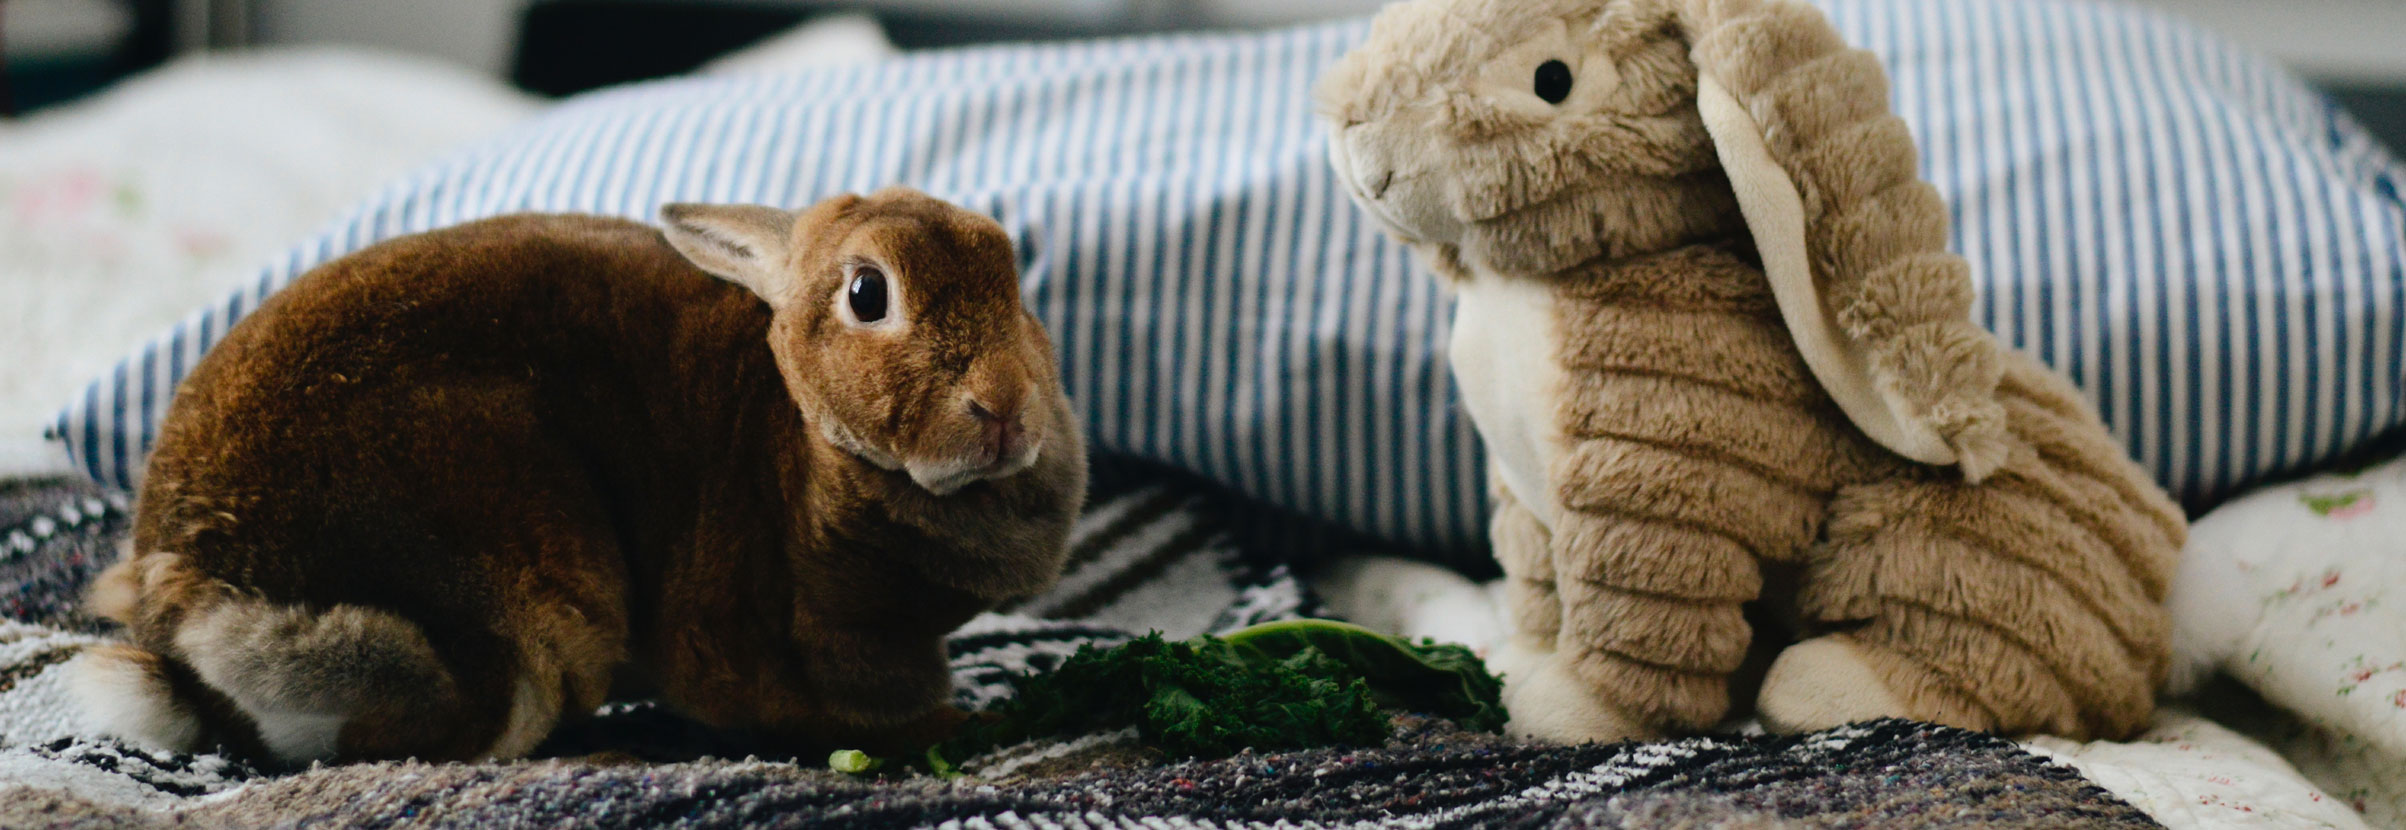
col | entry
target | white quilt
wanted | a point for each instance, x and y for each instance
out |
(122, 213)
(2298, 591)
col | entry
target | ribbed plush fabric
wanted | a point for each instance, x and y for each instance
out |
(2215, 253)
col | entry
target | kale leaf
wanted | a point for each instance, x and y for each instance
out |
(1282, 685)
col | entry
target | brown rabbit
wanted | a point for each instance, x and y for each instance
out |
(442, 493)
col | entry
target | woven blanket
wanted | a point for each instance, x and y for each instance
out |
(1155, 555)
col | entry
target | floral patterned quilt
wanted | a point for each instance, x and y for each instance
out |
(2298, 592)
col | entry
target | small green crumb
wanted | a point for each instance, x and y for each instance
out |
(852, 761)
(942, 768)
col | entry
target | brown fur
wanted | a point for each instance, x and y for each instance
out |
(1697, 462)
(459, 486)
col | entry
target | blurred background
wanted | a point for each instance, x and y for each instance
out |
(56, 50)
(153, 153)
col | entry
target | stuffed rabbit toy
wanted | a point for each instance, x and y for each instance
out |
(1718, 354)
(444, 493)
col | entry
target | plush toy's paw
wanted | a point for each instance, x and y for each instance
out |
(1548, 702)
(1515, 658)
(1824, 682)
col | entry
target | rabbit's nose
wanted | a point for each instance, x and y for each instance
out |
(990, 414)
(1003, 432)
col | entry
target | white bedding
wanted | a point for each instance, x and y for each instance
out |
(2299, 592)
(120, 214)
(2192, 773)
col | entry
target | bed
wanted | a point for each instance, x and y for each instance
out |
(1312, 414)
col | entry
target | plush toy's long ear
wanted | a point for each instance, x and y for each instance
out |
(1853, 242)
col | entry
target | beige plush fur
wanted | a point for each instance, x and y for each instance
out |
(1762, 380)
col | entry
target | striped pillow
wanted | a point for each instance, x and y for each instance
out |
(2207, 246)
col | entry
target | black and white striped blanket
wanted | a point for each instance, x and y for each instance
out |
(1157, 555)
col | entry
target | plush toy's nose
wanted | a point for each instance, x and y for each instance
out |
(1360, 164)
(1393, 180)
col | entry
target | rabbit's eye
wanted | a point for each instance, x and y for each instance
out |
(1553, 81)
(867, 295)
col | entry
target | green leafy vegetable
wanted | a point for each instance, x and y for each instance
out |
(1439, 679)
(1282, 685)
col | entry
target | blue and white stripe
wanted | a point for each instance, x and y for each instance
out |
(2210, 248)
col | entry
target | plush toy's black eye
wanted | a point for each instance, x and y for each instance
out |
(1554, 81)
(867, 295)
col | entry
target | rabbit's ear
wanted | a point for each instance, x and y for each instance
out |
(1851, 239)
(743, 244)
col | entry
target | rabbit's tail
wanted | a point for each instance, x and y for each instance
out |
(217, 667)
(130, 691)
(135, 693)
